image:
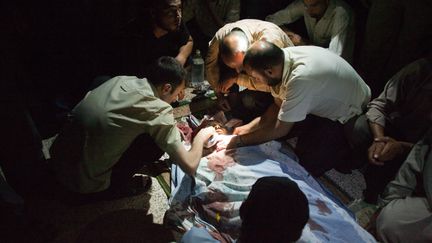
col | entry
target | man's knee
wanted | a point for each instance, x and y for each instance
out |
(387, 224)
(358, 132)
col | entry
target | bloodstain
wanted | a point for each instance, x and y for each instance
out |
(219, 161)
(314, 226)
(322, 207)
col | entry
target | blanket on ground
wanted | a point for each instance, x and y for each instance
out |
(223, 180)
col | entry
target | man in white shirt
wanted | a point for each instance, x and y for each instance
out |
(312, 88)
(329, 23)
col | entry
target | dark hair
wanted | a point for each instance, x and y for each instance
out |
(262, 55)
(276, 210)
(166, 70)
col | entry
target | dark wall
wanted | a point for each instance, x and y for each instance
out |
(52, 49)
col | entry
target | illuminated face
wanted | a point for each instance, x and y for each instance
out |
(169, 18)
(235, 62)
(315, 8)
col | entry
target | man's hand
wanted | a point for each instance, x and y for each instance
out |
(227, 84)
(181, 95)
(223, 104)
(374, 151)
(242, 130)
(384, 149)
(223, 142)
(206, 133)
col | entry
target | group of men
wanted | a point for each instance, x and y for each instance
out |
(307, 92)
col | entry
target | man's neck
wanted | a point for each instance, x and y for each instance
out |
(159, 32)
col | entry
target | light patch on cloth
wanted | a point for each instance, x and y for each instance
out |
(218, 162)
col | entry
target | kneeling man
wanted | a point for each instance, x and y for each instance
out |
(315, 92)
(119, 126)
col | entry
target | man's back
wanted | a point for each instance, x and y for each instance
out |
(103, 125)
(317, 81)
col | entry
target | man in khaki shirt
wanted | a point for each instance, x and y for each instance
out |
(230, 44)
(119, 126)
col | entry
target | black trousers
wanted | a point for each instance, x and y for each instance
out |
(143, 150)
(321, 144)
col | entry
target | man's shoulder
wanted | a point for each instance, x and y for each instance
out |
(342, 9)
(246, 25)
(132, 84)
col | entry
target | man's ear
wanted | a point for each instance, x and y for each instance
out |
(166, 88)
(268, 71)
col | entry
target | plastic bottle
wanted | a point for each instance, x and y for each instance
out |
(197, 69)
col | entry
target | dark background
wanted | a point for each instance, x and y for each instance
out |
(51, 50)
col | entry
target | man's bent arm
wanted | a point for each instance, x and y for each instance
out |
(185, 51)
(264, 134)
(189, 160)
(265, 128)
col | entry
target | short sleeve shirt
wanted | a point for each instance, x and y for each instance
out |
(317, 81)
(102, 127)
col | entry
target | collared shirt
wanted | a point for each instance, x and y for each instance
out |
(255, 30)
(335, 29)
(102, 127)
(405, 101)
(318, 82)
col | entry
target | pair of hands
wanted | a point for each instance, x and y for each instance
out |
(385, 149)
(225, 142)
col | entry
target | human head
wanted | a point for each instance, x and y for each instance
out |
(166, 14)
(219, 127)
(264, 62)
(232, 49)
(168, 76)
(316, 8)
(276, 210)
